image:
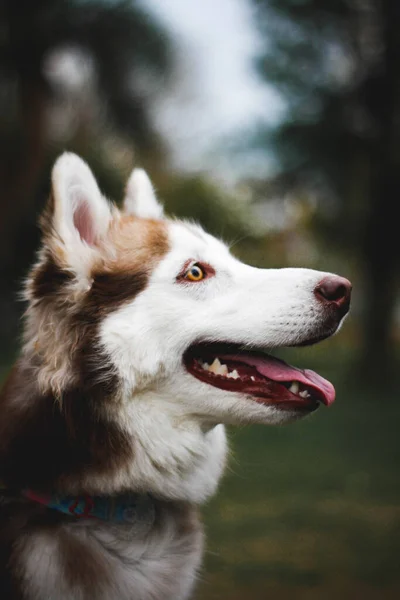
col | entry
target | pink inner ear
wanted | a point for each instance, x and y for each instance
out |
(83, 222)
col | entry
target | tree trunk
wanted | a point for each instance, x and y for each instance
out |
(20, 180)
(381, 246)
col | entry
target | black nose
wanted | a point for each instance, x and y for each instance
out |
(333, 288)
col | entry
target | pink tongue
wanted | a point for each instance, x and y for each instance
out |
(278, 370)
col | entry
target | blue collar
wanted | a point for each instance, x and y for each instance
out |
(125, 508)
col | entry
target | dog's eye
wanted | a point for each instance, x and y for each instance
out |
(195, 273)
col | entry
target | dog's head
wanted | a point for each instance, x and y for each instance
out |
(169, 309)
(159, 317)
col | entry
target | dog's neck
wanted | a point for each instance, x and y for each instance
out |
(175, 457)
(144, 444)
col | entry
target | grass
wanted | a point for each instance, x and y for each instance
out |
(310, 510)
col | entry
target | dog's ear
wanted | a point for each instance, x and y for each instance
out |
(77, 216)
(140, 198)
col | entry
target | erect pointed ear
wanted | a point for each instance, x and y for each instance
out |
(140, 199)
(77, 217)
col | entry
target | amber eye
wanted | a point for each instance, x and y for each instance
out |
(195, 273)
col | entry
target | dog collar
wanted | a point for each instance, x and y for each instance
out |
(125, 508)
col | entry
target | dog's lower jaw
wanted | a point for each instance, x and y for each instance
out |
(179, 455)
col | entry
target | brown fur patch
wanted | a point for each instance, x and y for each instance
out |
(138, 241)
(48, 279)
(43, 442)
(110, 290)
(137, 245)
(84, 568)
(129, 253)
(63, 432)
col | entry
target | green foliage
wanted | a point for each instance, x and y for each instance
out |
(196, 198)
(310, 46)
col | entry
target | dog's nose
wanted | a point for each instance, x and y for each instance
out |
(334, 289)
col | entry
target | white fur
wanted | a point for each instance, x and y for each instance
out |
(140, 198)
(137, 563)
(168, 410)
(41, 566)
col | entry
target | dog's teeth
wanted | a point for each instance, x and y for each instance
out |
(304, 394)
(205, 366)
(294, 388)
(214, 367)
(223, 370)
(233, 375)
(217, 368)
(252, 378)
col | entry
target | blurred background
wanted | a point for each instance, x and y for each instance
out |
(276, 124)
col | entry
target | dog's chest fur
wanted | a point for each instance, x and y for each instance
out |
(52, 558)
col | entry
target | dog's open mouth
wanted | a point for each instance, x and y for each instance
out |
(268, 379)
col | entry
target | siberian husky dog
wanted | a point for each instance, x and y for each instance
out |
(143, 337)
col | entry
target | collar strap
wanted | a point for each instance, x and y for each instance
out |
(125, 508)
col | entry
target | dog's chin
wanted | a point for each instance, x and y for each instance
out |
(272, 414)
(272, 390)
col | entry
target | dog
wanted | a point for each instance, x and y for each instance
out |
(143, 337)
